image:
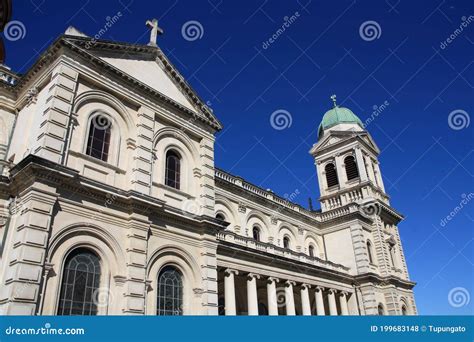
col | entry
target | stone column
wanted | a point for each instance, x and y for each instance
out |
(343, 302)
(272, 296)
(361, 165)
(229, 291)
(332, 302)
(290, 299)
(378, 175)
(305, 303)
(319, 301)
(252, 298)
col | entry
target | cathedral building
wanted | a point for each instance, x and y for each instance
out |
(111, 204)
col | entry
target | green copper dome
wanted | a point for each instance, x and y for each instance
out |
(336, 116)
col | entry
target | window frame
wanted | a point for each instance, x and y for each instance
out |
(352, 173)
(179, 298)
(177, 179)
(326, 173)
(97, 276)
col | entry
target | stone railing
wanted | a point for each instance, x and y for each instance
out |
(269, 195)
(276, 250)
(7, 76)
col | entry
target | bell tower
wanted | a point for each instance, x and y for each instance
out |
(346, 159)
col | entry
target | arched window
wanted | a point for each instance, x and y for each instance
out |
(220, 217)
(391, 250)
(286, 242)
(256, 233)
(311, 251)
(80, 284)
(331, 175)
(404, 310)
(380, 310)
(98, 142)
(369, 252)
(173, 169)
(351, 168)
(170, 292)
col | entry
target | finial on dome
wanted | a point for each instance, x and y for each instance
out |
(333, 98)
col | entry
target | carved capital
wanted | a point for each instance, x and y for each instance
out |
(230, 271)
(319, 288)
(272, 280)
(242, 207)
(251, 276)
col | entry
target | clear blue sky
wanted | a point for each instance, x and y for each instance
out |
(427, 165)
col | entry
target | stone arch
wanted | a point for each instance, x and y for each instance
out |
(171, 138)
(255, 218)
(94, 238)
(91, 103)
(225, 207)
(313, 240)
(285, 230)
(171, 255)
(110, 100)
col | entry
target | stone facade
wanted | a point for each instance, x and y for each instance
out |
(56, 197)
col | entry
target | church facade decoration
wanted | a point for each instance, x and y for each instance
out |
(111, 204)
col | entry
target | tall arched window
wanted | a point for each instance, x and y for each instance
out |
(170, 292)
(380, 310)
(98, 142)
(351, 168)
(404, 310)
(369, 252)
(173, 169)
(256, 233)
(331, 175)
(286, 242)
(80, 284)
(311, 251)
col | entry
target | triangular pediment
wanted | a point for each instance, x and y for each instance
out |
(335, 138)
(147, 66)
